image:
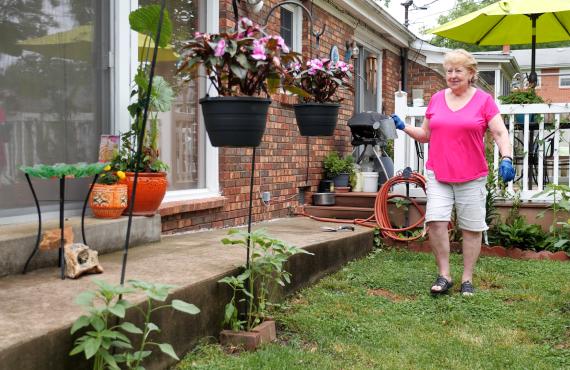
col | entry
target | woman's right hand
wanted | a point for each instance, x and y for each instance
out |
(400, 125)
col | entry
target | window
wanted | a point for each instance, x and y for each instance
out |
(287, 26)
(54, 96)
(182, 138)
(564, 78)
(291, 26)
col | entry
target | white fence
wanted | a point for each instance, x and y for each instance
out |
(538, 133)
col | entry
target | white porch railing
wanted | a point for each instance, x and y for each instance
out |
(541, 154)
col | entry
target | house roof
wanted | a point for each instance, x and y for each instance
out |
(487, 60)
(545, 58)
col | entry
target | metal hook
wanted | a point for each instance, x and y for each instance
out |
(317, 35)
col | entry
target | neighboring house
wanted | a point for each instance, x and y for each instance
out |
(553, 68)
(58, 101)
(496, 69)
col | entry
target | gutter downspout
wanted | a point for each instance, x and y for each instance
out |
(404, 71)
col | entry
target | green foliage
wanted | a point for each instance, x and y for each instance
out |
(244, 61)
(334, 165)
(106, 340)
(145, 21)
(521, 96)
(559, 238)
(519, 234)
(256, 283)
(462, 7)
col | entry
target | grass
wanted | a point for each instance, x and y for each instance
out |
(377, 313)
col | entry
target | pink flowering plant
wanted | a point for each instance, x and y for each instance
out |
(319, 80)
(242, 62)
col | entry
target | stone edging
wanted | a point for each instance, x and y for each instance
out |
(493, 251)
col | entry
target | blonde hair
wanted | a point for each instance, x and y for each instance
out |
(463, 58)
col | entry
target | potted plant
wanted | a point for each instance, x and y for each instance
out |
(522, 96)
(338, 169)
(108, 199)
(317, 83)
(241, 65)
(152, 183)
(254, 288)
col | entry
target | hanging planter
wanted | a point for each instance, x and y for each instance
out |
(235, 121)
(316, 119)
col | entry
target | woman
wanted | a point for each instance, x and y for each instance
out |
(455, 123)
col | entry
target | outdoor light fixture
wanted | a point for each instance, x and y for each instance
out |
(256, 5)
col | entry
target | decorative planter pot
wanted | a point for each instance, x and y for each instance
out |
(235, 121)
(250, 340)
(108, 201)
(151, 188)
(316, 119)
(341, 180)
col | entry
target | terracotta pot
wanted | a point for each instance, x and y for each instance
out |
(108, 201)
(151, 188)
(250, 340)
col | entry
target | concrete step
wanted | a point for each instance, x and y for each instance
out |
(17, 241)
(339, 212)
(38, 309)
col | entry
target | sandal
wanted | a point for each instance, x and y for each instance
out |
(467, 289)
(443, 283)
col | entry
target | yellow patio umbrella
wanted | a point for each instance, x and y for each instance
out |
(76, 44)
(510, 22)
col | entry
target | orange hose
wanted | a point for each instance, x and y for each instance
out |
(381, 218)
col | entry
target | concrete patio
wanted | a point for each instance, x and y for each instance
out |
(38, 309)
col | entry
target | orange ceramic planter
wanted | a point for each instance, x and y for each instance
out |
(151, 188)
(108, 201)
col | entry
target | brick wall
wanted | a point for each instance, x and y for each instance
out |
(419, 77)
(281, 159)
(549, 89)
(424, 78)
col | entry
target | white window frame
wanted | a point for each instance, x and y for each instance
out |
(376, 46)
(297, 27)
(124, 55)
(564, 74)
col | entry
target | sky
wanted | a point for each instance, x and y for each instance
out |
(420, 18)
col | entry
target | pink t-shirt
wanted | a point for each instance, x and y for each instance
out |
(456, 144)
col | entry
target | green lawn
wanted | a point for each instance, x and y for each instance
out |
(377, 313)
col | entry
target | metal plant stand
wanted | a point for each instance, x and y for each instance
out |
(61, 200)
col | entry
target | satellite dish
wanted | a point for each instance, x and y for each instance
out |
(256, 5)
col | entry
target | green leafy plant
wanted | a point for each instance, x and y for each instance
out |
(334, 165)
(255, 285)
(319, 80)
(145, 21)
(110, 176)
(519, 234)
(244, 61)
(521, 96)
(107, 328)
(559, 238)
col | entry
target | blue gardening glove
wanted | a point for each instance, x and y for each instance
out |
(398, 122)
(506, 169)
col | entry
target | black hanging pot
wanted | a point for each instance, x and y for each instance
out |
(316, 119)
(235, 121)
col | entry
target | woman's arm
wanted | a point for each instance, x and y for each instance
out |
(501, 135)
(420, 134)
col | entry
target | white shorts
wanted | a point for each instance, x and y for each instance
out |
(468, 198)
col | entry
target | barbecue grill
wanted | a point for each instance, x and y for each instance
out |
(373, 130)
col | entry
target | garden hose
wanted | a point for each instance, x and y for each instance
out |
(381, 218)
